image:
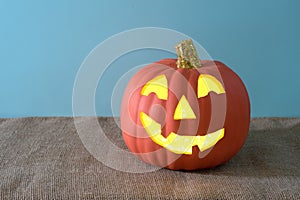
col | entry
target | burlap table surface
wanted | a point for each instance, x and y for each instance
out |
(44, 158)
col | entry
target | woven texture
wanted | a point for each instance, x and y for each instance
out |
(44, 158)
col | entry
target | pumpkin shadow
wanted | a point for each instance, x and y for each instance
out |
(265, 154)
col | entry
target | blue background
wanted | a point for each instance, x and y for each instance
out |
(43, 43)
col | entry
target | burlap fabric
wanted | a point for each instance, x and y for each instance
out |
(44, 158)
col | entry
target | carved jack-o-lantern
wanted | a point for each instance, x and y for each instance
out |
(185, 114)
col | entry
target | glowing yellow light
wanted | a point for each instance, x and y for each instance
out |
(157, 85)
(179, 144)
(184, 110)
(208, 83)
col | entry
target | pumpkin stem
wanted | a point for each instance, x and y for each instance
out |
(187, 55)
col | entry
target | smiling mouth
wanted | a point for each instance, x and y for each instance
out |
(179, 144)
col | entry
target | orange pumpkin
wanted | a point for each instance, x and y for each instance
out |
(185, 114)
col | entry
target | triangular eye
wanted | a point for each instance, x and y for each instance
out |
(208, 83)
(157, 85)
(184, 110)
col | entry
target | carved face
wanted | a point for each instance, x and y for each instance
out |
(185, 118)
(181, 144)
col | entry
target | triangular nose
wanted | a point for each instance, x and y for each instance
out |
(183, 110)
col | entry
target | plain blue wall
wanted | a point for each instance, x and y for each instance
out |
(43, 43)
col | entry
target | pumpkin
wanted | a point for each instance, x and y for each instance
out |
(185, 114)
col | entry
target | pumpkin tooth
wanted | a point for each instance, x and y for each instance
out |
(209, 140)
